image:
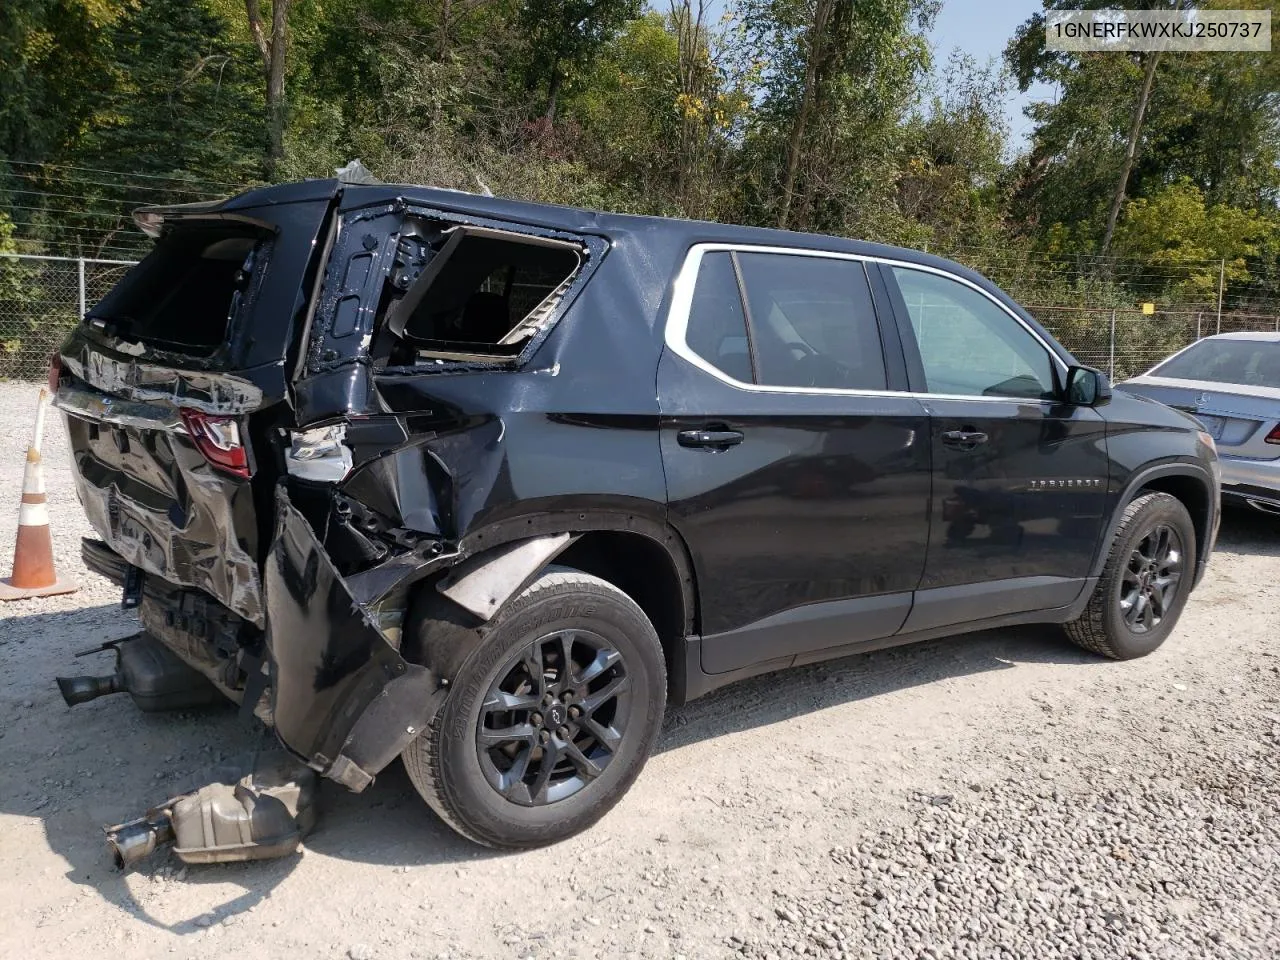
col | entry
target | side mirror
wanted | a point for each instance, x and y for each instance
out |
(1087, 387)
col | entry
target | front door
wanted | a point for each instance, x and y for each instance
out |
(1019, 478)
(798, 478)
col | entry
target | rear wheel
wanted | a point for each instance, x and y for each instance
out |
(554, 708)
(1145, 582)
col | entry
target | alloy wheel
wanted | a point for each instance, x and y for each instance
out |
(1151, 576)
(554, 718)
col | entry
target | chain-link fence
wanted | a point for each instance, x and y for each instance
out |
(42, 297)
(1125, 343)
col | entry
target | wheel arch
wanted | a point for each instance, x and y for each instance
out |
(643, 557)
(1189, 483)
(650, 574)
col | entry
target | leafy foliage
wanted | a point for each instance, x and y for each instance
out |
(824, 115)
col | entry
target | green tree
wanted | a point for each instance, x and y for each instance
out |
(273, 45)
(564, 37)
(1127, 125)
(836, 78)
(53, 56)
(1177, 228)
(951, 189)
(181, 92)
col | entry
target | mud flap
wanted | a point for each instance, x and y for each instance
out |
(342, 697)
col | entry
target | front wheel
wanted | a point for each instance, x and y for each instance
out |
(1145, 582)
(554, 708)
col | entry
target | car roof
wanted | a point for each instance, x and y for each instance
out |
(647, 230)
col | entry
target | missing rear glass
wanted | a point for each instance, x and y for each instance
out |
(475, 292)
(185, 294)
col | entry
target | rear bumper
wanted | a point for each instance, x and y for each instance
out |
(157, 503)
(341, 696)
(1251, 483)
(1258, 475)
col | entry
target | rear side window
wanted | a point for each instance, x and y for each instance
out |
(184, 294)
(717, 330)
(812, 322)
(477, 292)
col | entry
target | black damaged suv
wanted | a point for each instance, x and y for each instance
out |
(487, 484)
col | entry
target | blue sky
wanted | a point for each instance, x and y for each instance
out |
(981, 28)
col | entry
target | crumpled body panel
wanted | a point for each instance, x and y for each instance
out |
(154, 499)
(342, 697)
(217, 393)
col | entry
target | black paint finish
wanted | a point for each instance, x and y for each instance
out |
(1028, 501)
(825, 500)
(333, 673)
(797, 525)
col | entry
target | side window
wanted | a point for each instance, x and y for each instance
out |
(717, 330)
(812, 322)
(968, 345)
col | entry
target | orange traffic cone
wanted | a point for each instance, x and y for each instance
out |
(33, 574)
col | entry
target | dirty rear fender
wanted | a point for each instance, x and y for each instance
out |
(342, 697)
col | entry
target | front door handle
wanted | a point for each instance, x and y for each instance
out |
(709, 439)
(964, 439)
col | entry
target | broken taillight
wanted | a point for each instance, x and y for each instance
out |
(218, 439)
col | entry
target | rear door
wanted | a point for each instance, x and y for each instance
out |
(1019, 478)
(172, 383)
(797, 470)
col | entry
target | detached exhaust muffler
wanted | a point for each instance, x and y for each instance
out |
(137, 839)
(83, 689)
(149, 672)
(253, 810)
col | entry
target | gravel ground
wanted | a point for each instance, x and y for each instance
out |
(996, 795)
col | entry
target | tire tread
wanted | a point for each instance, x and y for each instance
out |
(422, 757)
(1089, 630)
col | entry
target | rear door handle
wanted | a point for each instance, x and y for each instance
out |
(709, 439)
(964, 439)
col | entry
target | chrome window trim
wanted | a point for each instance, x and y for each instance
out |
(677, 323)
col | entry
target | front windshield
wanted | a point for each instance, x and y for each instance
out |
(1254, 363)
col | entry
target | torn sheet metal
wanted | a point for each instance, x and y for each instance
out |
(159, 504)
(342, 697)
(320, 454)
(484, 583)
(224, 394)
(103, 408)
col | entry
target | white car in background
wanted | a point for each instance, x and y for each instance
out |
(1231, 384)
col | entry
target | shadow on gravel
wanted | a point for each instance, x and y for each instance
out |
(75, 770)
(787, 694)
(1249, 532)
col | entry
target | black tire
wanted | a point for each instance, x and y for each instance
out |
(1113, 629)
(448, 765)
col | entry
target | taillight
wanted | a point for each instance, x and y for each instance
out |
(218, 439)
(55, 372)
(1274, 435)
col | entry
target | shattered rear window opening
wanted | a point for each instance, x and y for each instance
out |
(185, 293)
(477, 293)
